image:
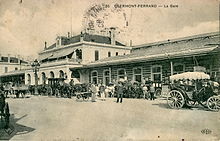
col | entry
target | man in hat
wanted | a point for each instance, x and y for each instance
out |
(152, 91)
(119, 90)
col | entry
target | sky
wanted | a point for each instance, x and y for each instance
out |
(26, 24)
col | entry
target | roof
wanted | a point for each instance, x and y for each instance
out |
(169, 50)
(13, 73)
(140, 58)
(86, 37)
(205, 35)
(56, 54)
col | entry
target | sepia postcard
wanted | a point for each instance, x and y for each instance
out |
(110, 70)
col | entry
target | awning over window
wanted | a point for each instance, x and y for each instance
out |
(45, 56)
(56, 54)
(61, 53)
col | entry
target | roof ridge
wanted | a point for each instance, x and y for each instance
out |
(178, 39)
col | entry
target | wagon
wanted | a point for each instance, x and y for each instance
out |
(83, 95)
(191, 89)
(82, 91)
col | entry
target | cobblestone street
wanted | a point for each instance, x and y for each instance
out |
(48, 118)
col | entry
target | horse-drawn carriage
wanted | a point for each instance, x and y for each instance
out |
(82, 91)
(57, 87)
(191, 88)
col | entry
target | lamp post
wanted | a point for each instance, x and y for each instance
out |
(35, 65)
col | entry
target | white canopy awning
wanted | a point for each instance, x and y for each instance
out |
(190, 76)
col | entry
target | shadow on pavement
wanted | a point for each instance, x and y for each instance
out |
(14, 129)
(162, 105)
(166, 106)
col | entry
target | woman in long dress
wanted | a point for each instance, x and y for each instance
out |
(102, 92)
(94, 92)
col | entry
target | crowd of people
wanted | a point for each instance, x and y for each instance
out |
(123, 89)
(120, 89)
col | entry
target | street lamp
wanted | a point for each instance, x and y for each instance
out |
(35, 65)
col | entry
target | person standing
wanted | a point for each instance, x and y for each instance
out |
(152, 91)
(102, 92)
(120, 92)
(94, 92)
(145, 92)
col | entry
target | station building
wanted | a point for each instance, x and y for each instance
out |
(87, 58)
(158, 60)
(57, 60)
(12, 68)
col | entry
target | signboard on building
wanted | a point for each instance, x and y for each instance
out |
(199, 69)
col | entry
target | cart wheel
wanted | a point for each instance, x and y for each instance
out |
(158, 92)
(175, 99)
(213, 103)
(78, 96)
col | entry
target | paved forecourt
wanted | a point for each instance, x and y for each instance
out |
(50, 118)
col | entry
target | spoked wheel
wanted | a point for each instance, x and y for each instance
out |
(175, 99)
(78, 96)
(213, 103)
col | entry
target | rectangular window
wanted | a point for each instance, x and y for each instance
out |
(137, 74)
(121, 74)
(13, 60)
(4, 59)
(156, 72)
(6, 69)
(109, 54)
(106, 77)
(116, 53)
(178, 68)
(94, 77)
(96, 55)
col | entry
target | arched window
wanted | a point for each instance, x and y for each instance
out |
(51, 74)
(109, 54)
(28, 79)
(106, 77)
(61, 74)
(75, 74)
(94, 77)
(44, 78)
(121, 74)
(78, 54)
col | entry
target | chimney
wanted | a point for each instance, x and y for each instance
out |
(81, 37)
(58, 39)
(45, 45)
(112, 35)
(130, 43)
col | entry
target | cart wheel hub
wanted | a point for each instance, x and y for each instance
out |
(214, 103)
(175, 99)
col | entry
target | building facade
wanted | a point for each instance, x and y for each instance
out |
(73, 52)
(157, 61)
(89, 58)
(12, 68)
